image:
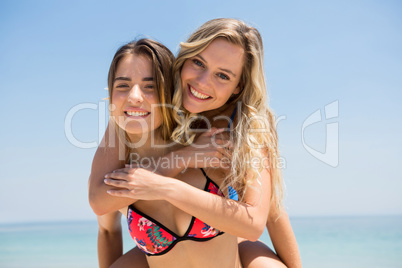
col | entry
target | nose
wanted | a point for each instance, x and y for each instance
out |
(204, 80)
(135, 94)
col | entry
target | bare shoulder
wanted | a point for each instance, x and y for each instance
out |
(108, 156)
(106, 160)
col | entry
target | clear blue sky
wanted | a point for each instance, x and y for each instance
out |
(54, 56)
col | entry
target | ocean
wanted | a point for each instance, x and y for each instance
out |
(369, 241)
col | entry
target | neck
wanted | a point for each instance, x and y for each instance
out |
(148, 144)
(226, 109)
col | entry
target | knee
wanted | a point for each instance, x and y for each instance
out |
(257, 254)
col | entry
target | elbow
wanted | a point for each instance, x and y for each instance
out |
(94, 205)
(94, 201)
(255, 230)
(257, 222)
(98, 211)
(256, 233)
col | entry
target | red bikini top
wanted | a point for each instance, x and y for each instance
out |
(153, 238)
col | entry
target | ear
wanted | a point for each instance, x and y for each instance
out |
(237, 90)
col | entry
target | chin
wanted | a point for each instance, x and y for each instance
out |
(193, 111)
(136, 132)
(193, 108)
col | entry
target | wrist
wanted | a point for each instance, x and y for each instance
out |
(169, 189)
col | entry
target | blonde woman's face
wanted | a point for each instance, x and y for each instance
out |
(211, 77)
(135, 97)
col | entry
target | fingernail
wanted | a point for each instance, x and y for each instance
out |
(105, 180)
(108, 191)
(107, 176)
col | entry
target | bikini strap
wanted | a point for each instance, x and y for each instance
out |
(205, 174)
(209, 180)
(232, 116)
(232, 192)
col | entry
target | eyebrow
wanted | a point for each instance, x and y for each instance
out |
(222, 69)
(122, 78)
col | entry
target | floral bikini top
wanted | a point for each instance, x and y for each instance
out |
(154, 239)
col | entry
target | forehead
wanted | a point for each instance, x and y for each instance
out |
(134, 65)
(224, 54)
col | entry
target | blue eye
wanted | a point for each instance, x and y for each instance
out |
(198, 63)
(223, 76)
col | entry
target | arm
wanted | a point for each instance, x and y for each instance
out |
(284, 240)
(244, 219)
(209, 150)
(110, 241)
(106, 159)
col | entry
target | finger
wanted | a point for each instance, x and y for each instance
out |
(117, 176)
(212, 131)
(208, 133)
(124, 170)
(219, 130)
(132, 166)
(222, 143)
(226, 136)
(221, 146)
(116, 183)
(224, 132)
(127, 170)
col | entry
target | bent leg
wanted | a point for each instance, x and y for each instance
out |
(133, 258)
(257, 254)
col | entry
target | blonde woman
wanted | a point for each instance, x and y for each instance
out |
(208, 66)
(218, 69)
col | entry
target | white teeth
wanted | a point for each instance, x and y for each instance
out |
(198, 94)
(136, 113)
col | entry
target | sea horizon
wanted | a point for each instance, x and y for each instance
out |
(324, 241)
(290, 216)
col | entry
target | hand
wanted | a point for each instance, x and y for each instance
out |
(137, 183)
(211, 149)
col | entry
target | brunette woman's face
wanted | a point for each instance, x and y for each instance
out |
(135, 96)
(211, 77)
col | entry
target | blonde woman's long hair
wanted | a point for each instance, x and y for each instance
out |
(249, 142)
(162, 62)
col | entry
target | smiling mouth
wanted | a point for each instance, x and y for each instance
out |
(198, 94)
(140, 114)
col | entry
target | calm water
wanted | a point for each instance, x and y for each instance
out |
(324, 242)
